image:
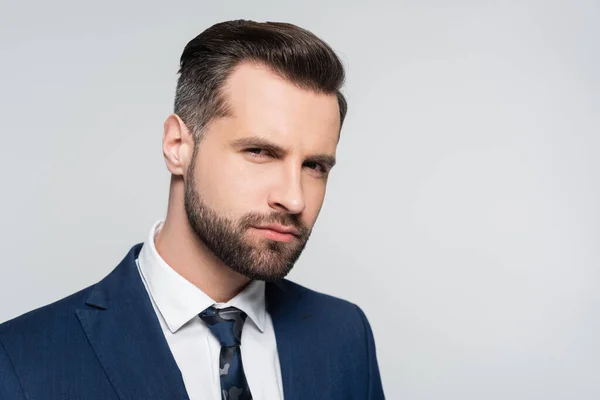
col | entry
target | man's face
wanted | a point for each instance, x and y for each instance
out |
(257, 180)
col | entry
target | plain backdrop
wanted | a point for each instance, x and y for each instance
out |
(463, 215)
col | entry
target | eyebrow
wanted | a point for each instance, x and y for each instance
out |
(257, 141)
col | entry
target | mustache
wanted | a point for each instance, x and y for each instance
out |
(254, 219)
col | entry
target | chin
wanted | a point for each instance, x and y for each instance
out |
(265, 274)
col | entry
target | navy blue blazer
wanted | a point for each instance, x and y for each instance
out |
(105, 342)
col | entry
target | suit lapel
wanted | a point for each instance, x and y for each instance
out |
(123, 329)
(280, 301)
(125, 333)
(306, 366)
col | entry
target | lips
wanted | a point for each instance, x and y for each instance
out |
(281, 229)
(278, 233)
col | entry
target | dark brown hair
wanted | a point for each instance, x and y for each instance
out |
(293, 53)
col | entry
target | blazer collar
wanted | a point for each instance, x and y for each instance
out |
(124, 331)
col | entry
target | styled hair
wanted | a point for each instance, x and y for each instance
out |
(293, 53)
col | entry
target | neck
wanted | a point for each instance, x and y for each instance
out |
(185, 253)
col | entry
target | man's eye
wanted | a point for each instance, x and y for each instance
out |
(316, 166)
(257, 151)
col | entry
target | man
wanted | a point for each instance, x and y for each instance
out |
(201, 310)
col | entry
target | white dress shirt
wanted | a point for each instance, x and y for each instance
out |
(178, 302)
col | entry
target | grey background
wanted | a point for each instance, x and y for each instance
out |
(463, 216)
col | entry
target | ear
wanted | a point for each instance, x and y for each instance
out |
(177, 145)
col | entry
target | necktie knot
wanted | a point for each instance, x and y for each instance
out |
(225, 323)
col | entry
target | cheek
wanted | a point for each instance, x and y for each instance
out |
(231, 185)
(314, 196)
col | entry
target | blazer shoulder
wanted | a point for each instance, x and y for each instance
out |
(313, 295)
(46, 318)
(352, 333)
(331, 305)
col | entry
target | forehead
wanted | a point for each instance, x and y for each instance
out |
(262, 103)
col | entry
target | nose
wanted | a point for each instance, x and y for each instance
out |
(288, 195)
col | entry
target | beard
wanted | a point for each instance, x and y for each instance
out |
(262, 259)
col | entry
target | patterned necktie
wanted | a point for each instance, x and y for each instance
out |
(226, 324)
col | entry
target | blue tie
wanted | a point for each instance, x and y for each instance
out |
(226, 324)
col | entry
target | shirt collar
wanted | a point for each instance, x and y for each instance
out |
(179, 301)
